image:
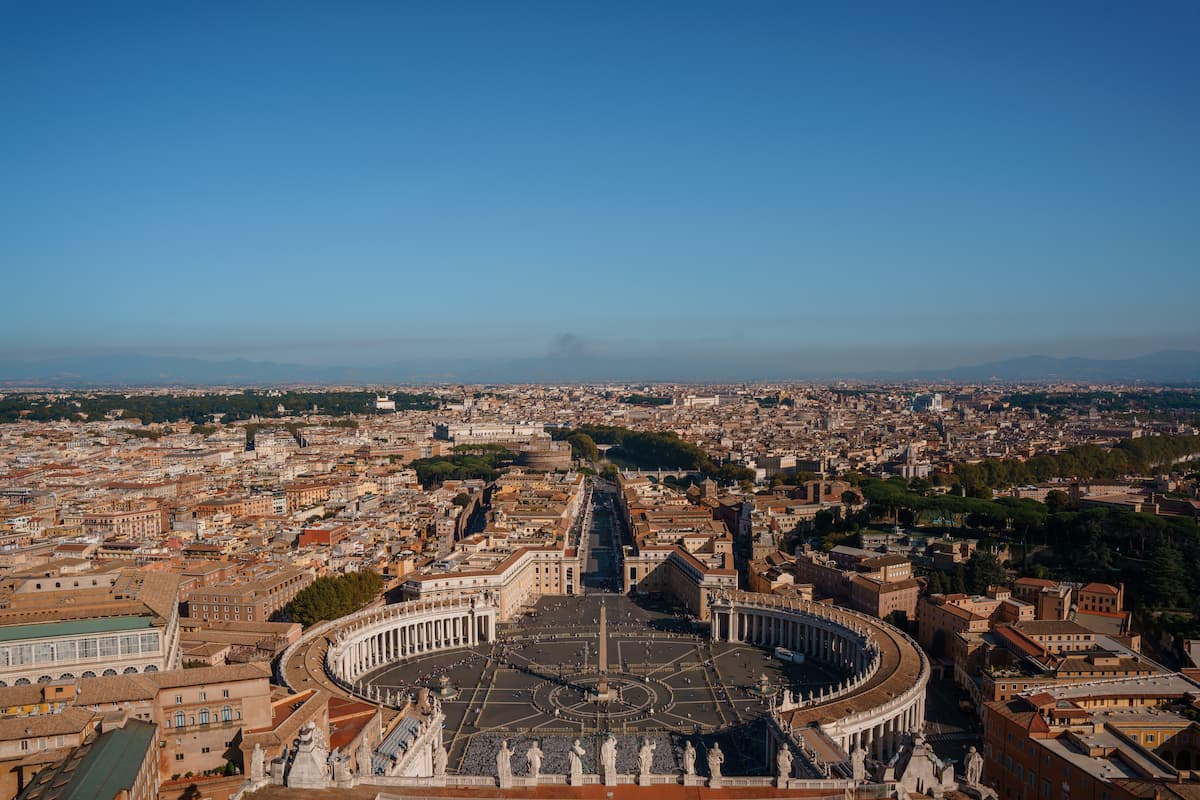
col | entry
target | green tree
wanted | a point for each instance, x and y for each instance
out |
(851, 500)
(920, 486)
(583, 446)
(959, 581)
(330, 597)
(936, 582)
(1166, 582)
(1058, 501)
(983, 570)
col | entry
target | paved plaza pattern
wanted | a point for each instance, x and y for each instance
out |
(669, 681)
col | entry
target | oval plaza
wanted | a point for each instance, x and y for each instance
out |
(612, 687)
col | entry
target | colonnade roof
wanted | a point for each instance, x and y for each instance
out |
(899, 670)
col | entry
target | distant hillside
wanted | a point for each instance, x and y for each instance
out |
(1168, 366)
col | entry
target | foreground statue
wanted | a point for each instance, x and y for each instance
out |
(858, 763)
(783, 766)
(646, 761)
(974, 767)
(439, 760)
(608, 760)
(575, 757)
(533, 757)
(715, 759)
(504, 765)
(257, 772)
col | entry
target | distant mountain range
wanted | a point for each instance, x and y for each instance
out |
(1167, 366)
(1164, 366)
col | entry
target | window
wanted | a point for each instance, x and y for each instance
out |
(180, 720)
(87, 648)
(178, 699)
(204, 716)
(203, 696)
(224, 693)
(179, 756)
(226, 714)
(22, 655)
(24, 744)
(204, 749)
(108, 646)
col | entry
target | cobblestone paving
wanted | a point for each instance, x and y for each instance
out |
(708, 687)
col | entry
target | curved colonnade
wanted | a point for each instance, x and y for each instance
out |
(883, 696)
(358, 643)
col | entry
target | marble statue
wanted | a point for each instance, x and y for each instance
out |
(318, 737)
(439, 760)
(533, 756)
(974, 767)
(608, 759)
(783, 765)
(689, 759)
(715, 759)
(309, 767)
(575, 756)
(362, 757)
(858, 763)
(646, 757)
(924, 773)
(257, 773)
(341, 766)
(504, 765)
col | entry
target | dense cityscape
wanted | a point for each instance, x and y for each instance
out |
(622, 400)
(922, 590)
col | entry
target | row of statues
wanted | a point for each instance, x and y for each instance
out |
(608, 761)
(311, 762)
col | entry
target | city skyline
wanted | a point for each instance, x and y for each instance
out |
(907, 188)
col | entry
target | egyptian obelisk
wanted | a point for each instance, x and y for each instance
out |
(603, 638)
(602, 690)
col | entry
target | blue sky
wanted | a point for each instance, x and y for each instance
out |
(901, 184)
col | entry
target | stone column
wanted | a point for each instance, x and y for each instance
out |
(602, 661)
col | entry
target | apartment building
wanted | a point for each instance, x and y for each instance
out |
(1109, 740)
(132, 519)
(253, 597)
